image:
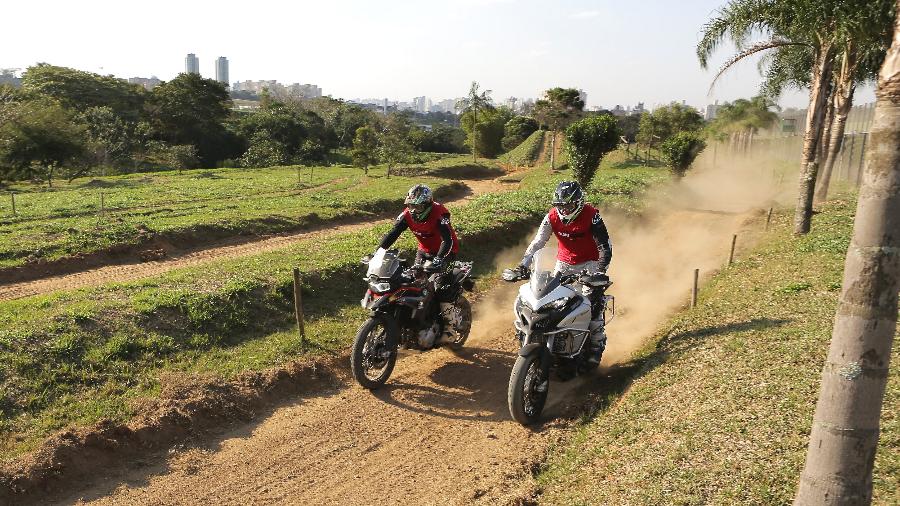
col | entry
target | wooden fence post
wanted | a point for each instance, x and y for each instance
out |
(731, 255)
(694, 289)
(298, 306)
(768, 219)
(12, 197)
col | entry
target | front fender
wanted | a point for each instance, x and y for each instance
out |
(528, 349)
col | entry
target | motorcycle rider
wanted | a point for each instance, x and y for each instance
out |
(584, 244)
(429, 221)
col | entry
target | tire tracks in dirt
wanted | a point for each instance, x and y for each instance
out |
(118, 273)
(438, 433)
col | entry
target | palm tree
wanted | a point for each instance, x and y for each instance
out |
(845, 429)
(475, 101)
(821, 26)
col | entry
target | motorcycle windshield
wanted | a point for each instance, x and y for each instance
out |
(542, 280)
(383, 265)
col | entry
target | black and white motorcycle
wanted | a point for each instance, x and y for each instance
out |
(405, 310)
(553, 326)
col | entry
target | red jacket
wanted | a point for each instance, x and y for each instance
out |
(576, 244)
(427, 232)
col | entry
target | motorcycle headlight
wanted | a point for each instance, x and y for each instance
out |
(380, 287)
(560, 303)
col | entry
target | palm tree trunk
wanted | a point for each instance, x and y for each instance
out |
(843, 104)
(552, 150)
(475, 134)
(827, 125)
(845, 427)
(809, 165)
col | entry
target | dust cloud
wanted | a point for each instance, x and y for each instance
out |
(686, 224)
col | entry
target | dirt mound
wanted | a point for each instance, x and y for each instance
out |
(187, 407)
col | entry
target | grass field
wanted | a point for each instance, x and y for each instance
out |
(721, 406)
(199, 205)
(76, 357)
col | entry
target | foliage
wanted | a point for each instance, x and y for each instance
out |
(744, 115)
(488, 131)
(440, 138)
(476, 102)
(628, 126)
(39, 138)
(192, 110)
(517, 130)
(365, 148)
(79, 90)
(666, 121)
(680, 151)
(393, 141)
(558, 108)
(587, 141)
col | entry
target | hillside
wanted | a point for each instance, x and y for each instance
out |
(721, 408)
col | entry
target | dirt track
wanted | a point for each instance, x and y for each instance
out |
(130, 271)
(438, 433)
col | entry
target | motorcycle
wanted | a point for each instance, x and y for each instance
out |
(553, 326)
(404, 310)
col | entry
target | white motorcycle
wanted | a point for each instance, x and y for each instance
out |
(553, 326)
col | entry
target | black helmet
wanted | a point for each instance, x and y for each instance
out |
(419, 201)
(568, 199)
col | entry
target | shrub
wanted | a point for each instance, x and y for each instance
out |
(680, 151)
(587, 141)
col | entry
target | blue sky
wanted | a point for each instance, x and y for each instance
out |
(620, 52)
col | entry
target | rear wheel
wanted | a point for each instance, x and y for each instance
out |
(374, 352)
(529, 385)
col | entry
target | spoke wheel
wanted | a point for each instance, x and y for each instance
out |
(528, 388)
(374, 352)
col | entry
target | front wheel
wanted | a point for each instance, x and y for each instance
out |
(461, 332)
(529, 385)
(374, 352)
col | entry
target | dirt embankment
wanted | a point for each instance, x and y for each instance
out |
(126, 265)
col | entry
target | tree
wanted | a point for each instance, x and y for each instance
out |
(680, 151)
(845, 428)
(587, 141)
(365, 148)
(487, 131)
(820, 25)
(517, 130)
(742, 118)
(40, 138)
(476, 101)
(666, 121)
(192, 110)
(79, 90)
(111, 139)
(393, 141)
(265, 152)
(556, 110)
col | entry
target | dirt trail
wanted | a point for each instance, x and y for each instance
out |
(131, 271)
(438, 433)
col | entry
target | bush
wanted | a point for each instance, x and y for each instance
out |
(587, 141)
(517, 130)
(265, 153)
(680, 151)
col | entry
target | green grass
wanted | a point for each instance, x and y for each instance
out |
(198, 206)
(526, 153)
(77, 356)
(721, 405)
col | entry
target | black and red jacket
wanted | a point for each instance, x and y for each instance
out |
(435, 235)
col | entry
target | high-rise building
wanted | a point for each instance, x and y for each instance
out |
(191, 64)
(222, 70)
(147, 82)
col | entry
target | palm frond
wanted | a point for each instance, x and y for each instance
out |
(755, 48)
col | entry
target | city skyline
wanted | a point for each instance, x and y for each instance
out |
(618, 54)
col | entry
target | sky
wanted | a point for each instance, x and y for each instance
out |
(619, 52)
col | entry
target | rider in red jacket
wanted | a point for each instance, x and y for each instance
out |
(583, 245)
(429, 221)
